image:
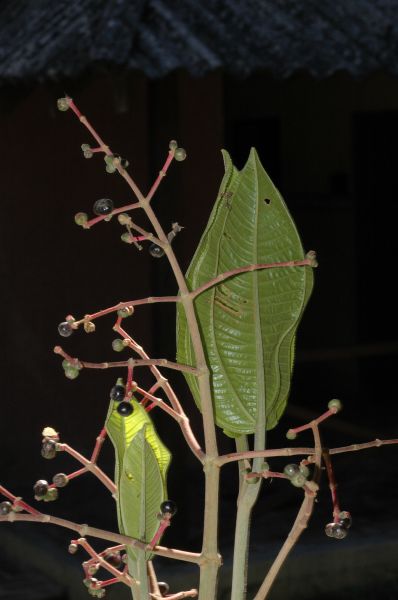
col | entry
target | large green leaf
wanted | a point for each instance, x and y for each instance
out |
(140, 473)
(248, 322)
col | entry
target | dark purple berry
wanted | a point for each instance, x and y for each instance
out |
(49, 449)
(40, 488)
(114, 559)
(336, 530)
(103, 206)
(125, 408)
(163, 588)
(340, 532)
(5, 507)
(118, 393)
(168, 507)
(65, 329)
(156, 251)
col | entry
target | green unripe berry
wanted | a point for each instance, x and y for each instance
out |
(110, 169)
(173, 145)
(304, 470)
(298, 480)
(180, 154)
(291, 469)
(345, 519)
(73, 548)
(124, 219)
(62, 104)
(126, 237)
(291, 435)
(126, 311)
(81, 218)
(118, 345)
(335, 405)
(52, 494)
(71, 372)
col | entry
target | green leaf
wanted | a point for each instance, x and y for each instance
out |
(141, 467)
(248, 323)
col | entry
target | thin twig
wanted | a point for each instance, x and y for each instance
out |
(86, 530)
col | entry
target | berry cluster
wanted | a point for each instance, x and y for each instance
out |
(297, 474)
(339, 529)
(118, 394)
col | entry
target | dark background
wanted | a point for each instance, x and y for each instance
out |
(329, 143)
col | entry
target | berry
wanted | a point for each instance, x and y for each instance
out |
(335, 405)
(125, 409)
(124, 163)
(40, 489)
(126, 237)
(126, 311)
(62, 104)
(110, 169)
(103, 206)
(49, 449)
(114, 559)
(60, 480)
(345, 519)
(118, 393)
(50, 431)
(298, 480)
(335, 530)
(89, 327)
(92, 569)
(87, 152)
(124, 219)
(81, 218)
(291, 469)
(5, 507)
(156, 251)
(304, 470)
(180, 154)
(168, 507)
(117, 345)
(71, 372)
(73, 548)
(51, 495)
(65, 329)
(163, 588)
(291, 435)
(173, 145)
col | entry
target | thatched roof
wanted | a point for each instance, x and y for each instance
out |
(41, 39)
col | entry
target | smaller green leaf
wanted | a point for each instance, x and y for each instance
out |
(141, 467)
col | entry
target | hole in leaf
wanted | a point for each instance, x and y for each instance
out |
(267, 201)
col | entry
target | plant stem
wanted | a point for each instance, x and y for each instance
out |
(118, 538)
(299, 525)
(211, 560)
(248, 495)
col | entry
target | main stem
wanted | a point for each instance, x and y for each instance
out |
(248, 495)
(211, 561)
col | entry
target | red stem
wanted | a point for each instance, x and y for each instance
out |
(162, 174)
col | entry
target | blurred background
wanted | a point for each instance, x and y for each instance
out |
(313, 86)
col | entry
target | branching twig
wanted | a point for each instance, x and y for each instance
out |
(86, 530)
(162, 362)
